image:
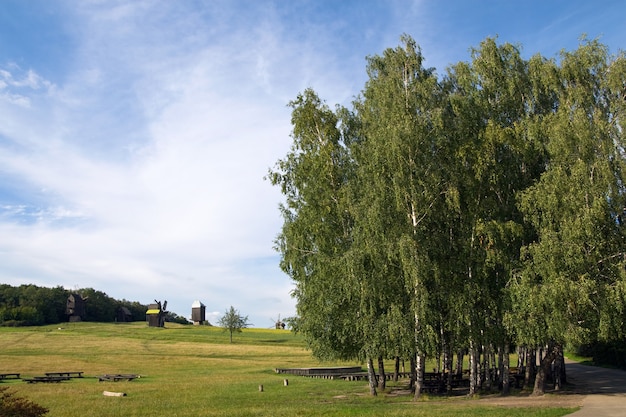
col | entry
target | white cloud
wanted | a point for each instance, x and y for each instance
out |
(17, 85)
(186, 211)
(139, 172)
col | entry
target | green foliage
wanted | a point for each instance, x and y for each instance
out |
(20, 316)
(480, 208)
(610, 354)
(13, 406)
(233, 322)
(575, 206)
(171, 317)
(316, 233)
(136, 309)
(30, 305)
(99, 306)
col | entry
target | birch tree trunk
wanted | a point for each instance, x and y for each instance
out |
(413, 365)
(473, 365)
(531, 366)
(544, 369)
(486, 368)
(382, 377)
(371, 376)
(447, 368)
(500, 365)
(558, 364)
(396, 371)
(563, 374)
(459, 362)
(505, 371)
(420, 365)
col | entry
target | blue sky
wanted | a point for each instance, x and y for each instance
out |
(135, 135)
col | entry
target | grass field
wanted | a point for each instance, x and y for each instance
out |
(195, 371)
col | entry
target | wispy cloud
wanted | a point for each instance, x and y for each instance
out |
(156, 147)
(16, 85)
(139, 170)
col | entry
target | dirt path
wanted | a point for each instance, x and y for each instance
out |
(605, 390)
(600, 392)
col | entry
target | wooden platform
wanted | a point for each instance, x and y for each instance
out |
(433, 382)
(335, 372)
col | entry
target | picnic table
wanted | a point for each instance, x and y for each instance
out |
(46, 378)
(71, 374)
(55, 377)
(10, 376)
(117, 377)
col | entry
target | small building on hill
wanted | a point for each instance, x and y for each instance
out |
(155, 316)
(75, 307)
(123, 315)
(198, 313)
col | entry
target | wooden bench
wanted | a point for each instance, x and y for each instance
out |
(117, 377)
(516, 380)
(46, 378)
(73, 374)
(10, 376)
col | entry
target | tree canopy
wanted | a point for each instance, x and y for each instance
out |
(233, 322)
(471, 211)
(31, 305)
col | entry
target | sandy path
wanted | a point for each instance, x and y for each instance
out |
(600, 392)
(605, 390)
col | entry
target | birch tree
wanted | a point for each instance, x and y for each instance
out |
(468, 212)
(489, 97)
(398, 161)
(574, 207)
(317, 228)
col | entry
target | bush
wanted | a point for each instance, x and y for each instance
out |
(12, 406)
(20, 316)
(612, 354)
(174, 318)
(606, 353)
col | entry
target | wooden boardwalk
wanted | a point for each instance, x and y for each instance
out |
(333, 372)
(433, 382)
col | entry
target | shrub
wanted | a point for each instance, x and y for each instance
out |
(12, 406)
(611, 353)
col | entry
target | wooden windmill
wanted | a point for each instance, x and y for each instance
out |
(75, 307)
(155, 316)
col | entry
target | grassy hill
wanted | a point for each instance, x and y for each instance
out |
(194, 371)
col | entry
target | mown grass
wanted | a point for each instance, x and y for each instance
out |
(195, 371)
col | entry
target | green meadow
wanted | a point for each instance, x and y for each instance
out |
(195, 371)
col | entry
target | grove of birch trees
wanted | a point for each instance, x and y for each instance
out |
(463, 213)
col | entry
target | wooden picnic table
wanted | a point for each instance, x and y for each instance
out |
(46, 378)
(10, 376)
(69, 374)
(117, 377)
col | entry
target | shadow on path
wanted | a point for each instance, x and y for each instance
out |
(605, 390)
(595, 380)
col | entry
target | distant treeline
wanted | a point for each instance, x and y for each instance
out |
(30, 305)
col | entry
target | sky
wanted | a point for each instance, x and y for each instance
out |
(135, 135)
